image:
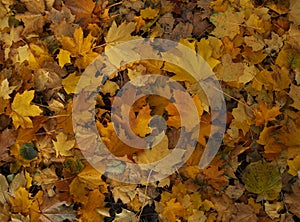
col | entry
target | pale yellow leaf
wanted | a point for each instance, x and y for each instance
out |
(63, 145)
(5, 89)
(122, 33)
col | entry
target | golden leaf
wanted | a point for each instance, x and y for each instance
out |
(149, 13)
(80, 47)
(63, 57)
(95, 200)
(206, 51)
(140, 123)
(22, 109)
(122, 33)
(70, 83)
(21, 201)
(62, 145)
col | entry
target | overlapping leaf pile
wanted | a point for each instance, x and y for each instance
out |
(252, 46)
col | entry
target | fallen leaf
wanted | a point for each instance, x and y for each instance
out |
(263, 115)
(21, 201)
(63, 145)
(70, 83)
(227, 23)
(5, 89)
(63, 57)
(22, 109)
(263, 178)
(118, 34)
(149, 13)
(126, 216)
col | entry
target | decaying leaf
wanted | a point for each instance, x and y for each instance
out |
(263, 178)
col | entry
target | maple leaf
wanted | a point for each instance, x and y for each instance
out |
(112, 141)
(189, 106)
(21, 201)
(149, 13)
(118, 34)
(5, 89)
(88, 179)
(270, 137)
(230, 71)
(172, 210)
(263, 178)
(55, 210)
(79, 47)
(263, 115)
(155, 153)
(88, 211)
(140, 123)
(22, 109)
(242, 118)
(63, 57)
(206, 51)
(215, 177)
(63, 145)
(70, 83)
(227, 23)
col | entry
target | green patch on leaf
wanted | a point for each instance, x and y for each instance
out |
(28, 151)
(263, 178)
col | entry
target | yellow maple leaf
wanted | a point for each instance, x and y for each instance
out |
(22, 110)
(23, 54)
(88, 179)
(126, 216)
(70, 82)
(38, 55)
(263, 114)
(140, 123)
(122, 33)
(88, 211)
(63, 57)
(62, 145)
(5, 89)
(21, 202)
(80, 47)
(172, 210)
(149, 13)
(206, 51)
